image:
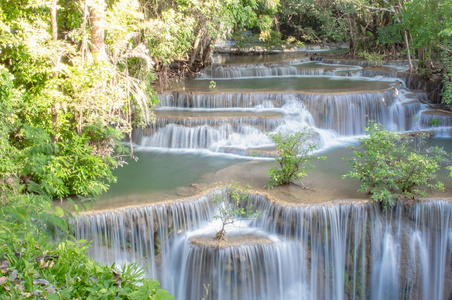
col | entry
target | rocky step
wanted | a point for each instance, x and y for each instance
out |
(231, 240)
(251, 151)
(261, 120)
(210, 100)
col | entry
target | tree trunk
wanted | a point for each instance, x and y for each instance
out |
(97, 11)
(85, 16)
(396, 10)
(421, 57)
(353, 40)
(54, 110)
(408, 54)
(53, 12)
(206, 60)
(194, 52)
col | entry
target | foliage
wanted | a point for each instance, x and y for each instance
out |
(265, 40)
(170, 36)
(436, 121)
(423, 19)
(271, 39)
(66, 118)
(246, 41)
(242, 13)
(232, 207)
(311, 21)
(292, 42)
(390, 165)
(63, 115)
(32, 265)
(72, 166)
(431, 34)
(447, 80)
(294, 157)
(42, 271)
(373, 58)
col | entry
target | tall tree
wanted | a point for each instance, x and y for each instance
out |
(97, 20)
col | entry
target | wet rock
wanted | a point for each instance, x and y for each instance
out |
(231, 241)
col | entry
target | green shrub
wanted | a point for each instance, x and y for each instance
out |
(390, 165)
(373, 58)
(293, 158)
(436, 121)
(292, 42)
(33, 269)
(234, 208)
(73, 166)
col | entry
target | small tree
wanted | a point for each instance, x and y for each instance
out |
(233, 207)
(390, 165)
(293, 158)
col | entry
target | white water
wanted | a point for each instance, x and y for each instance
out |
(332, 251)
(287, 68)
(331, 116)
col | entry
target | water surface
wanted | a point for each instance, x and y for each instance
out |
(287, 84)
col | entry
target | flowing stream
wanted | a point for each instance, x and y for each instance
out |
(317, 249)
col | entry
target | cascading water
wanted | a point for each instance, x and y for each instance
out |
(339, 250)
(441, 122)
(330, 115)
(250, 271)
(141, 234)
(342, 250)
(288, 68)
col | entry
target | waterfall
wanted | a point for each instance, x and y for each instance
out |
(339, 250)
(205, 137)
(141, 234)
(237, 71)
(322, 67)
(405, 251)
(268, 124)
(222, 100)
(441, 122)
(334, 250)
(288, 68)
(259, 271)
(330, 115)
(361, 63)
